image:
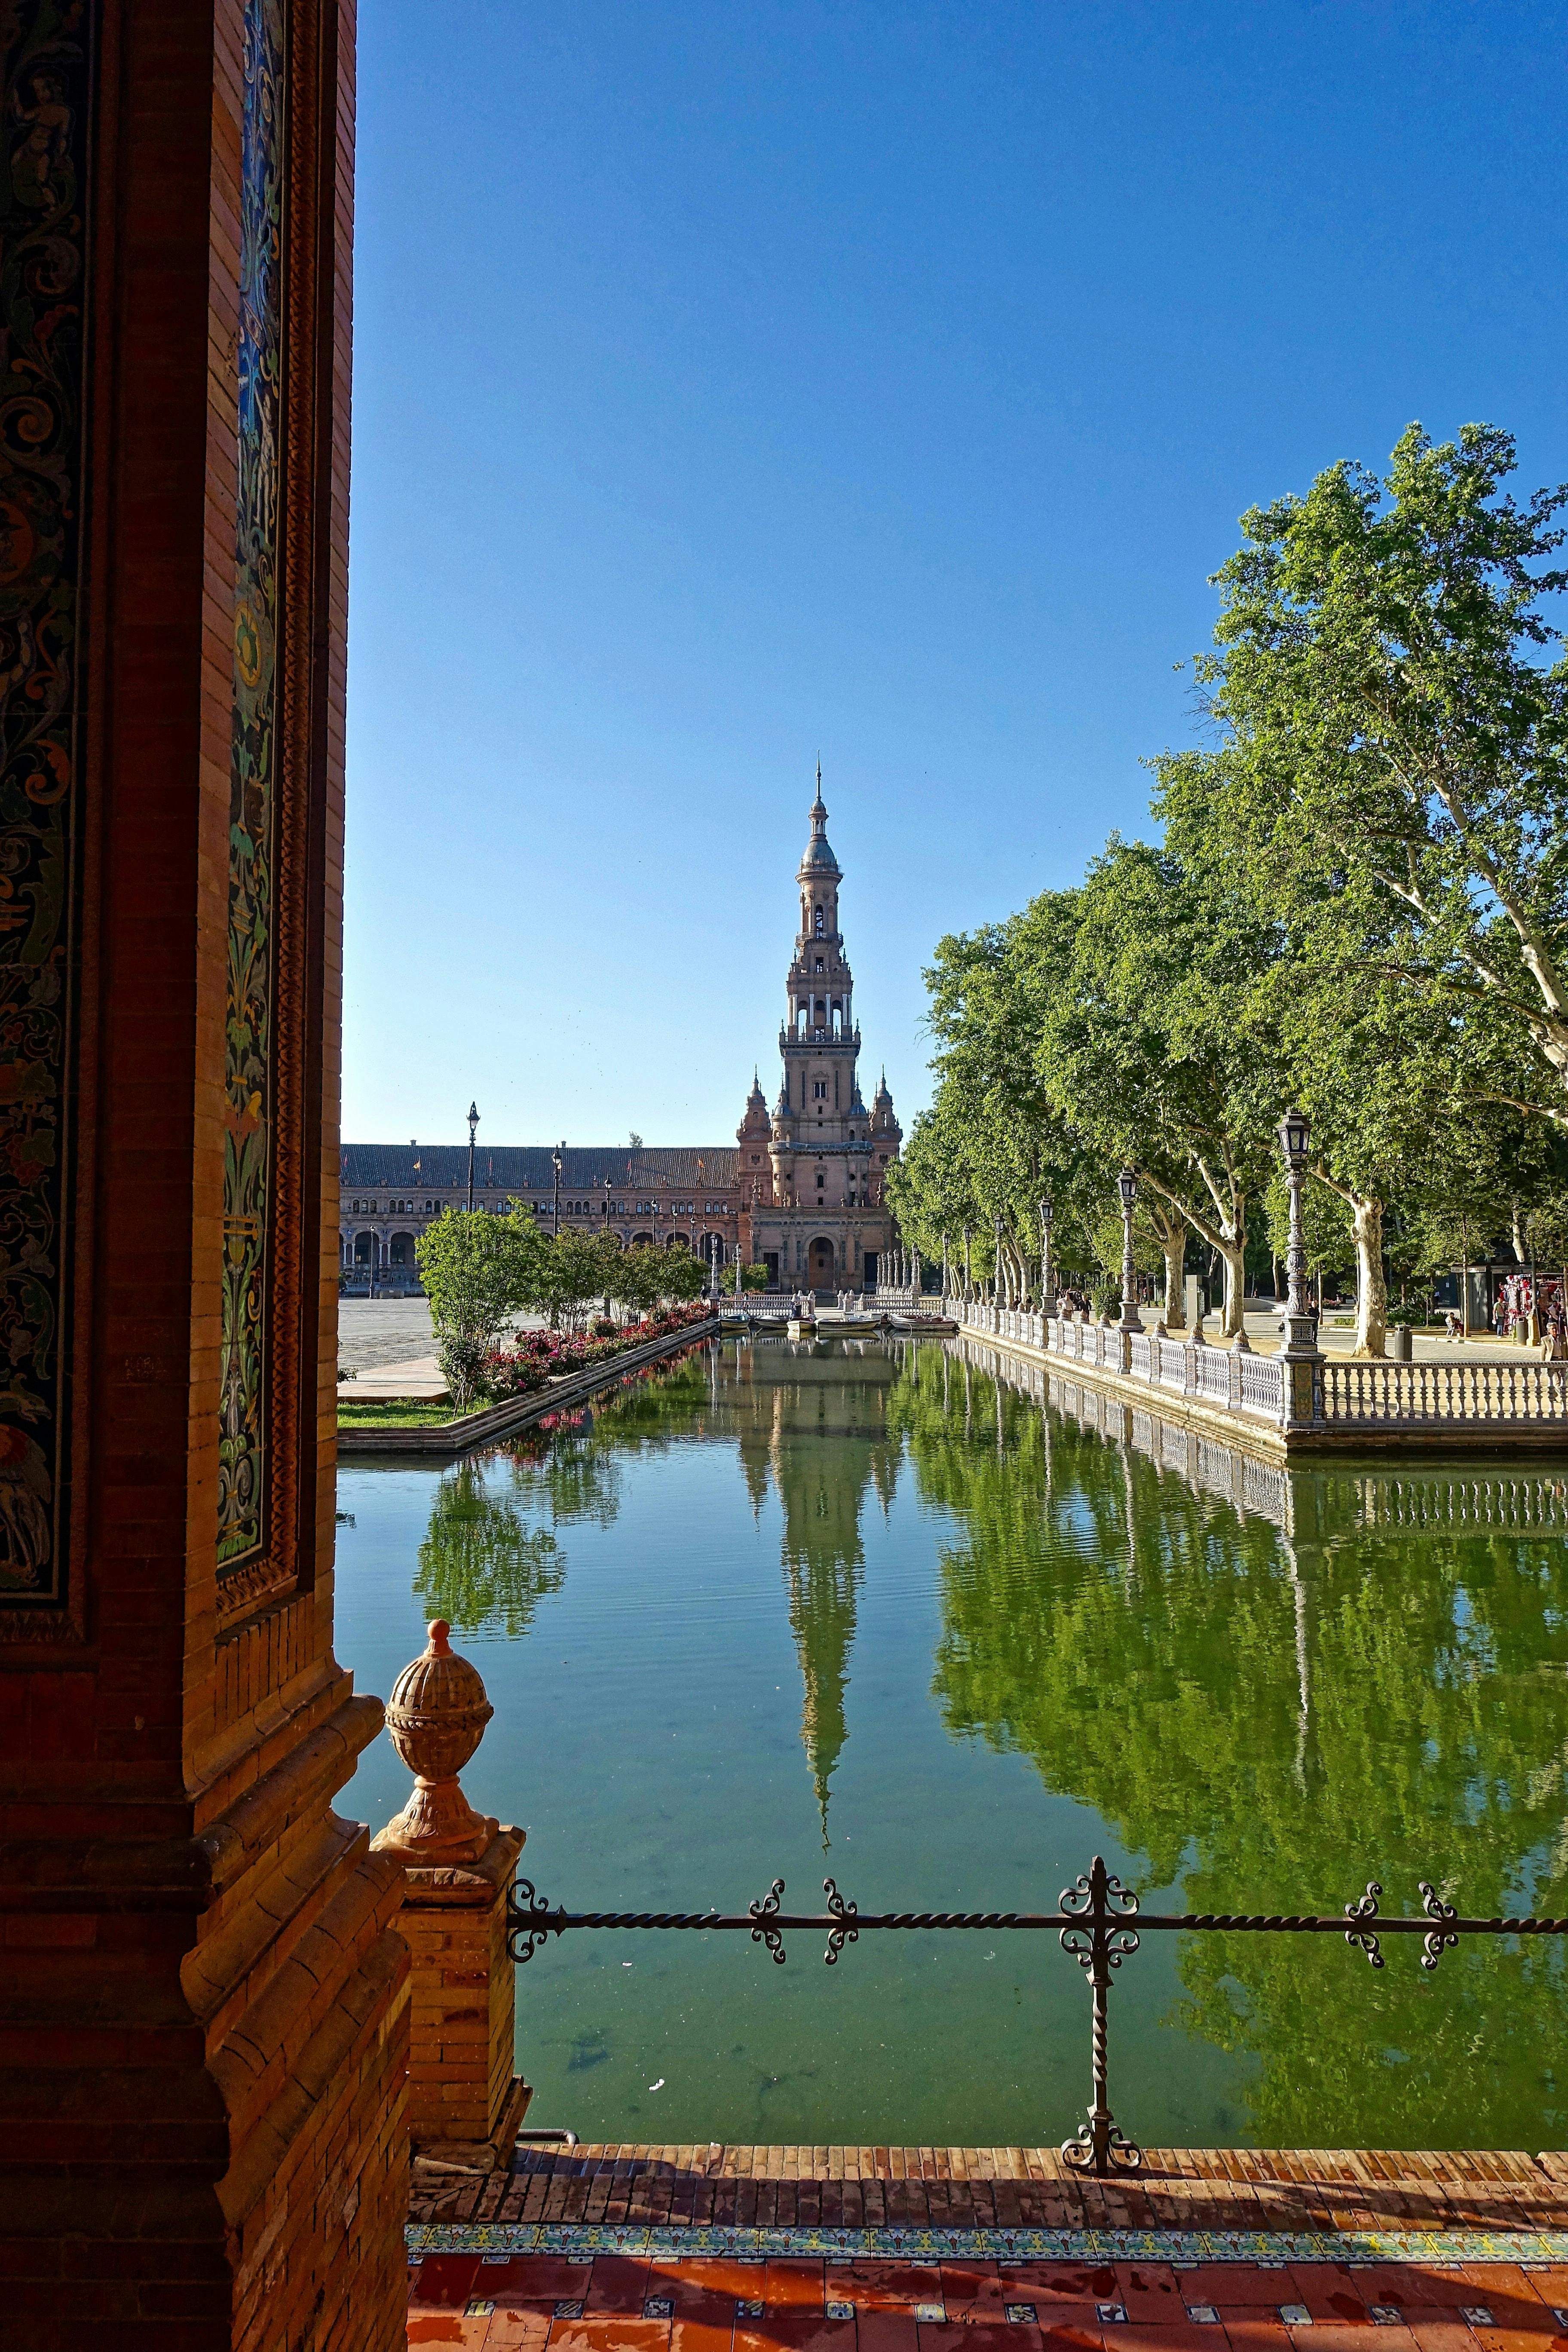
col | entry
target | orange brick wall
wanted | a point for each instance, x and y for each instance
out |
(463, 2015)
(203, 1996)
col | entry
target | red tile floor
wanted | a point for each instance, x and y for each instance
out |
(619, 2303)
(668, 2301)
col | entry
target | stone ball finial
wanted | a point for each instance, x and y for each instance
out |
(437, 1717)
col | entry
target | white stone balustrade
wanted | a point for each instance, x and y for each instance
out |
(1325, 1392)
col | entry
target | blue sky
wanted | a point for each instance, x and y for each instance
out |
(734, 383)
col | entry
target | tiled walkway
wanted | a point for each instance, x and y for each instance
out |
(650, 2249)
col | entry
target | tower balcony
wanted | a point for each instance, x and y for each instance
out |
(794, 1040)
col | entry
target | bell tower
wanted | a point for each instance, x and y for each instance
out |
(821, 1135)
(818, 1221)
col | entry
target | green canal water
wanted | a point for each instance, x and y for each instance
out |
(859, 1609)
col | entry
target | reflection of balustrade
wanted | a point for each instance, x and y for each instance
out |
(1417, 1398)
(1416, 1497)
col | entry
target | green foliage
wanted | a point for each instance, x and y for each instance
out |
(477, 1270)
(992, 1143)
(1394, 767)
(1325, 1220)
(752, 1277)
(570, 1269)
(645, 1277)
(391, 1413)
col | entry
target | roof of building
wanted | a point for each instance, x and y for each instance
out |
(527, 1167)
(819, 857)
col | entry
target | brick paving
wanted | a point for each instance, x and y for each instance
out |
(727, 2186)
(655, 2296)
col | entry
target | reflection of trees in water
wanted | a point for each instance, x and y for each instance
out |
(481, 1565)
(492, 1553)
(1273, 1722)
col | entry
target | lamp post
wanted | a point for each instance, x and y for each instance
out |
(1301, 1323)
(944, 1267)
(997, 1262)
(968, 1276)
(1047, 1296)
(1127, 1185)
(473, 1122)
(713, 1267)
(555, 1163)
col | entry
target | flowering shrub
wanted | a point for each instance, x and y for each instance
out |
(536, 1357)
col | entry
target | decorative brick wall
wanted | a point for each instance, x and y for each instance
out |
(464, 1998)
(204, 1997)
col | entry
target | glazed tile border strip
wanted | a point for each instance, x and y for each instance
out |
(674, 2243)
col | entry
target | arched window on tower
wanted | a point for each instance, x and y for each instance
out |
(821, 926)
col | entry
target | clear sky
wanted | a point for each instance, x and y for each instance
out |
(734, 383)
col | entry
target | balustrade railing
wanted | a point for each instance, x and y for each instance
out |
(1324, 1391)
(1416, 1393)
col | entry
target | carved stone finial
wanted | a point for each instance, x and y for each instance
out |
(437, 1717)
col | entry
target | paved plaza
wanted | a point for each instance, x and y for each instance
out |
(729, 2248)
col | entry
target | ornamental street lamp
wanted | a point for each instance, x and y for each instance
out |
(1047, 1296)
(555, 1163)
(1127, 1185)
(1301, 1323)
(713, 1266)
(473, 1122)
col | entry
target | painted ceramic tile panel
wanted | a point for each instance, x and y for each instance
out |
(243, 1443)
(46, 68)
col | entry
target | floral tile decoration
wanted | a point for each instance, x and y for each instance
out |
(666, 2242)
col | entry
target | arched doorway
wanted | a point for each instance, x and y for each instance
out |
(679, 1241)
(819, 1264)
(642, 1241)
(365, 1249)
(402, 1249)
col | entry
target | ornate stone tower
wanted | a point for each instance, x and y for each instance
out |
(826, 1154)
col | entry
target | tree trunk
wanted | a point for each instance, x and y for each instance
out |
(1173, 1314)
(1372, 1299)
(1233, 1321)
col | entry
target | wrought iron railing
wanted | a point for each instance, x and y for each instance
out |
(1095, 1924)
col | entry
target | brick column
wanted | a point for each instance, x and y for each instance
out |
(464, 2102)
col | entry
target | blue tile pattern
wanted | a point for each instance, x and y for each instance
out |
(670, 2242)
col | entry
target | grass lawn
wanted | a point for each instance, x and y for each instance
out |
(393, 1413)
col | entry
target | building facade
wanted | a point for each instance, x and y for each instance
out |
(815, 1169)
(800, 1190)
(678, 1197)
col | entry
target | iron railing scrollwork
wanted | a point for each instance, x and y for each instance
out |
(1098, 1924)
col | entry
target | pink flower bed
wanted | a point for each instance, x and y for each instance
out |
(538, 1357)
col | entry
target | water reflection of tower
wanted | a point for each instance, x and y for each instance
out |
(823, 1422)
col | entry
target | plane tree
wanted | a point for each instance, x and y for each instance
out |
(1152, 1045)
(1391, 698)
